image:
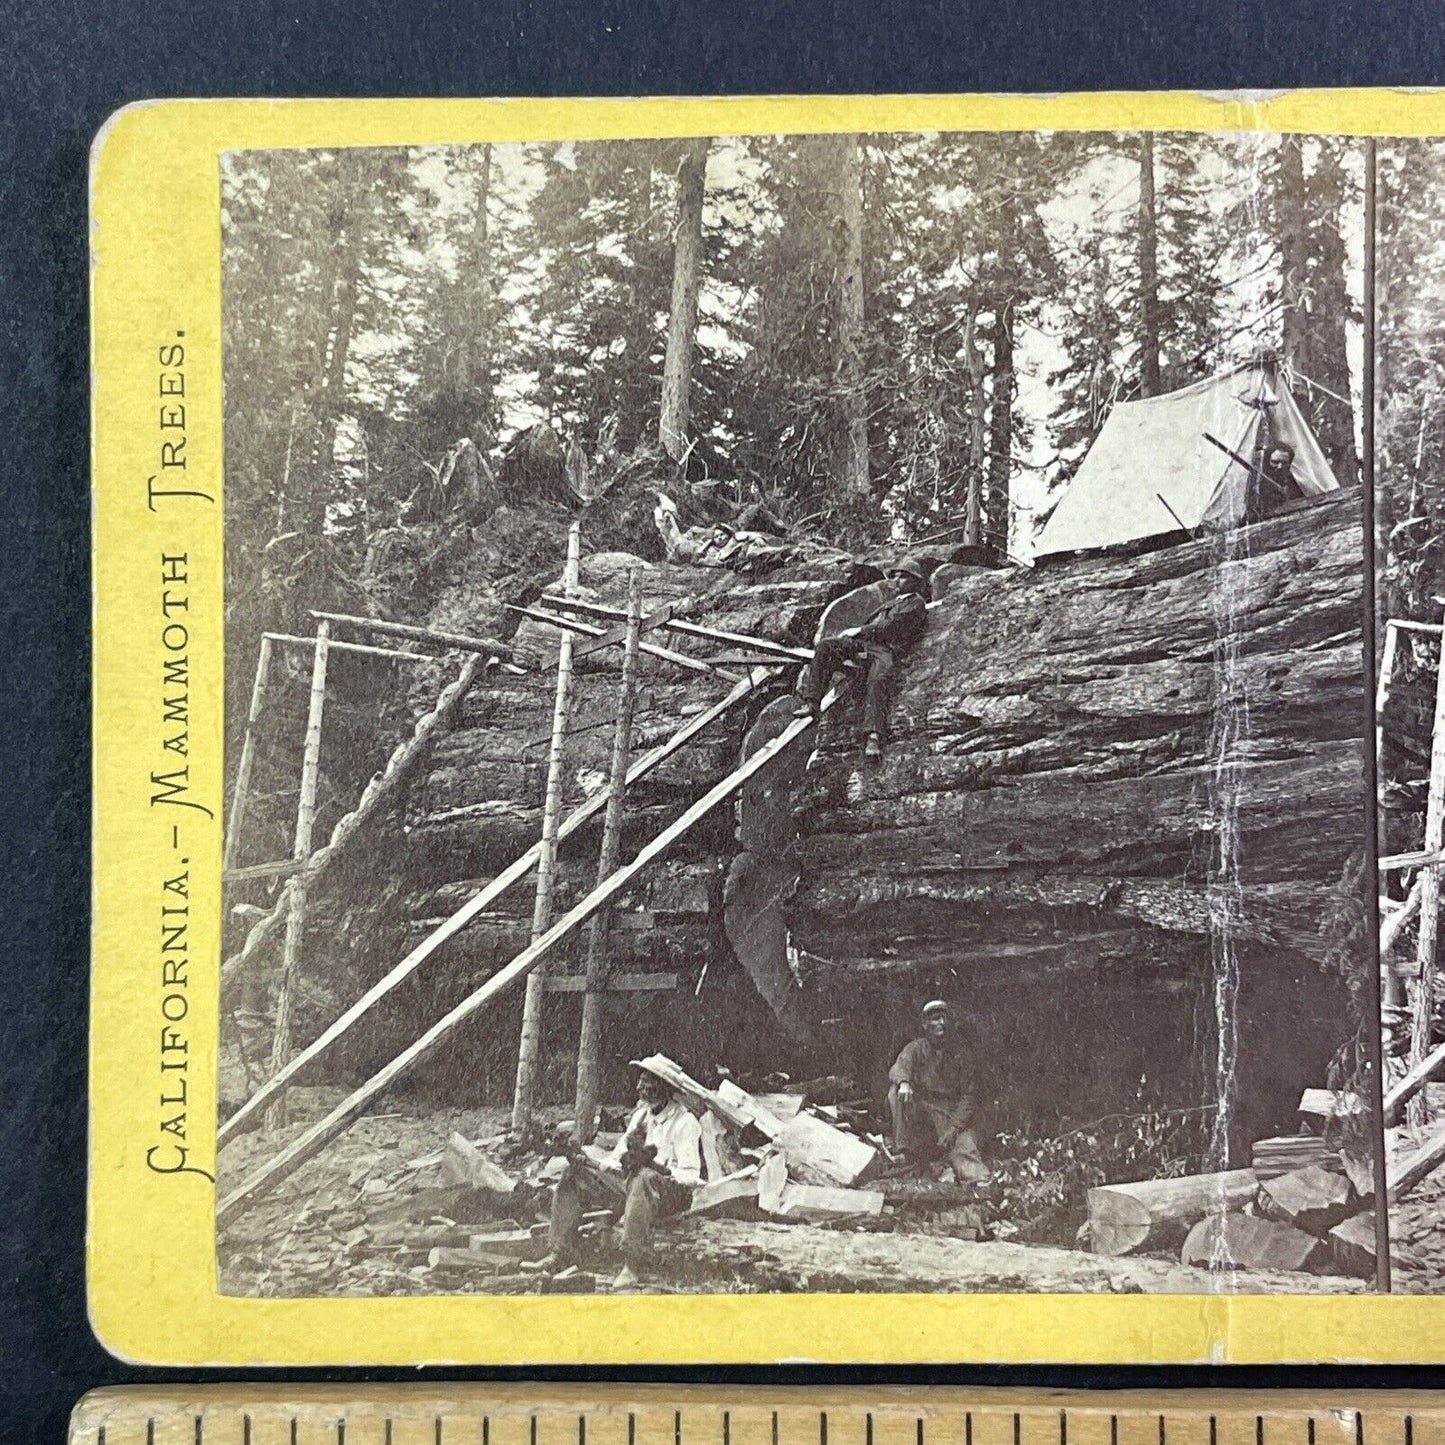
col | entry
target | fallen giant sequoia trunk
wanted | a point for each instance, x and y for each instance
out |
(1051, 794)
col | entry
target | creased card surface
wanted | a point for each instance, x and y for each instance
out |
(756, 715)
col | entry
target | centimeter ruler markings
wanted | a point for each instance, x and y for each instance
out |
(499, 1415)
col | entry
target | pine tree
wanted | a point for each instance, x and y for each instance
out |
(675, 412)
(1309, 194)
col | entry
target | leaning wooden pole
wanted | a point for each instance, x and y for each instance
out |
(1429, 896)
(488, 646)
(301, 851)
(377, 792)
(684, 628)
(316, 1138)
(530, 1046)
(589, 1048)
(513, 873)
(237, 816)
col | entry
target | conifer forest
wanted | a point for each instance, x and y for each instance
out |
(556, 472)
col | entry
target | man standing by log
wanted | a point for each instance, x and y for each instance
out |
(931, 1097)
(651, 1174)
(877, 623)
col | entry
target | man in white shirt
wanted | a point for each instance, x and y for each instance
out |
(651, 1173)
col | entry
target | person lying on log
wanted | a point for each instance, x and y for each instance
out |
(650, 1175)
(893, 617)
(931, 1098)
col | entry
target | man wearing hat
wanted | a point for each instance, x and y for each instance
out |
(931, 1098)
(892, 614)
(651, 1174)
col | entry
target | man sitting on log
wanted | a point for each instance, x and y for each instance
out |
(931, 1098)
(651, 1174)
(893, 615)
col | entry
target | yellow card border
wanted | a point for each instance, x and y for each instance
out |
(156, 238)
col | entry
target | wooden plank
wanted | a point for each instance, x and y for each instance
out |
(587, 629)
(817, 1153)
(781, 1107)
(391, 654)
(485, 646)
(1243, 1241)
(817, 1202)
(613, 635)
(1418, 1108)
(720, 1153)
(1325, 1104)
(1311, 1199)
(529, 1047)
(598, 964)
(1392, 927)
(316, 1138)
(618, 983)
(277, 868)
(1127, 1217)
(1403, 1173)
(1415, 1078)
(772, 1181)
(236, 818)
(301, 851)
(464, 1163)
(515, 871)
(693, 629)
(1421, 858)
(1272, 1157)
(733, 1197)
(752, 1108)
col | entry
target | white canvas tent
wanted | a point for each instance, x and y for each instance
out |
(1151, 471)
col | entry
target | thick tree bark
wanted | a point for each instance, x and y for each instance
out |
(1149, 324)
(682, 318)
(1049, 790)
(854, 469)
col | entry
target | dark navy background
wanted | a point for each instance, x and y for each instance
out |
(64, 66)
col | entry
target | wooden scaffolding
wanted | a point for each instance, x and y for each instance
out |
(753, 664)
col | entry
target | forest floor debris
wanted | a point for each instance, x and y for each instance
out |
(444, 1201)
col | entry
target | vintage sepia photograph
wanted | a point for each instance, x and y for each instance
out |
(1410, 700)
(797, 716)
